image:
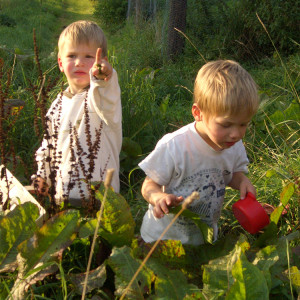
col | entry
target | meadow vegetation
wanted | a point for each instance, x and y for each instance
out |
(156, 99)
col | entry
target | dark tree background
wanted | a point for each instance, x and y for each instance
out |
(177, 20)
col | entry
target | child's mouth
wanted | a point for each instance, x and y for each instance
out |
(229, 144)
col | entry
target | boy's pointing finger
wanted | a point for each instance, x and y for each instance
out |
(98, 56)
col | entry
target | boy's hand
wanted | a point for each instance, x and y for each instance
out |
(162, 205)
(245, 187)
(102, 69)
(161, 201)
(40, 186)
(242, 183)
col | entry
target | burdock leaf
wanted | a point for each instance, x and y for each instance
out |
(217, 274)
(96, 279)
(15, 227)
(249, 283)
(124, 266)
(117, 224)
(171, 284)
(50, 240)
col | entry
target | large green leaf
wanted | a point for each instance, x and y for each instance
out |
(217, 275)
(264, 260)
(285, 254)
(295, 278)
(50, 240)
(285, 196)
(15, 227)
(96, 279)
(171, 284)
(124, 266)
(116, 225)
(249, 281)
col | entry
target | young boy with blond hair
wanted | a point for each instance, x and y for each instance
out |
(205, 156)
(84, 123)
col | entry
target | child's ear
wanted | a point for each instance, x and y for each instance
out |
(60, 64)
(197, 113)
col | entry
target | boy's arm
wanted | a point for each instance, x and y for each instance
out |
(242, 183)
(105, 93)
(153, 193)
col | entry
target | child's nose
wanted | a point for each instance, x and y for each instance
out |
(237, 133)
(78, 62)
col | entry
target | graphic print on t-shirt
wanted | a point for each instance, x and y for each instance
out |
(210, 184)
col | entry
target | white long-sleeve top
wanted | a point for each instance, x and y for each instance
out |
(67, 129)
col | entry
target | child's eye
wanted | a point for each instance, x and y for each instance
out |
(71, 55)
(89, 56)
(245, 124)
(225, 125)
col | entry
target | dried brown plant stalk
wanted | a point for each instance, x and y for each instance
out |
(185, 204)
(107, 184)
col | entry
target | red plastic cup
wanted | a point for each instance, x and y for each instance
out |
(250, 214)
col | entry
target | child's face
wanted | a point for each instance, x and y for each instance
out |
(76, 61)
(221, 132)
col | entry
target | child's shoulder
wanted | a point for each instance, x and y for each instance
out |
(178, 134)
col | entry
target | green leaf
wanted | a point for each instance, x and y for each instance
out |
(124, 266)
(16, 227)
(131, 148)
(96, 279)
(291, 113)
(249, 282)
(207, 232)
(270, 173)
(264, 260)
(217, 274)
(285, 196)
(117, 224)
(295, 278)
(164, 105)
(284, 252)
(171, 284)
(50, 240)
(269, 234)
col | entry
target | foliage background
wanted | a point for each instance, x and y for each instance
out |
(157, 93)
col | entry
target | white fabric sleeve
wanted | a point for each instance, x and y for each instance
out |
(106, 99)
(159, 165)
(241, 162)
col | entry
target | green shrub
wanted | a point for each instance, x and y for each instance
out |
(111, 13)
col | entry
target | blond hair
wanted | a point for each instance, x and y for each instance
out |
(83, 32)
(223, 87)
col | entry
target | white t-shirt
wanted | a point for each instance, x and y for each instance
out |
(103, 104)
(183, 162)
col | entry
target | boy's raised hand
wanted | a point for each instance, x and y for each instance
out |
(102, 69)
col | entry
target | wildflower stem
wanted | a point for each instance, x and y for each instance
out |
(188, 200)
(107, 185)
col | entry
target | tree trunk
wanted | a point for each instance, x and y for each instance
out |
(177, 19)
(138, 12)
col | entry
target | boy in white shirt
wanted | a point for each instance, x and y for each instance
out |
(84, 124)
(205, 156)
